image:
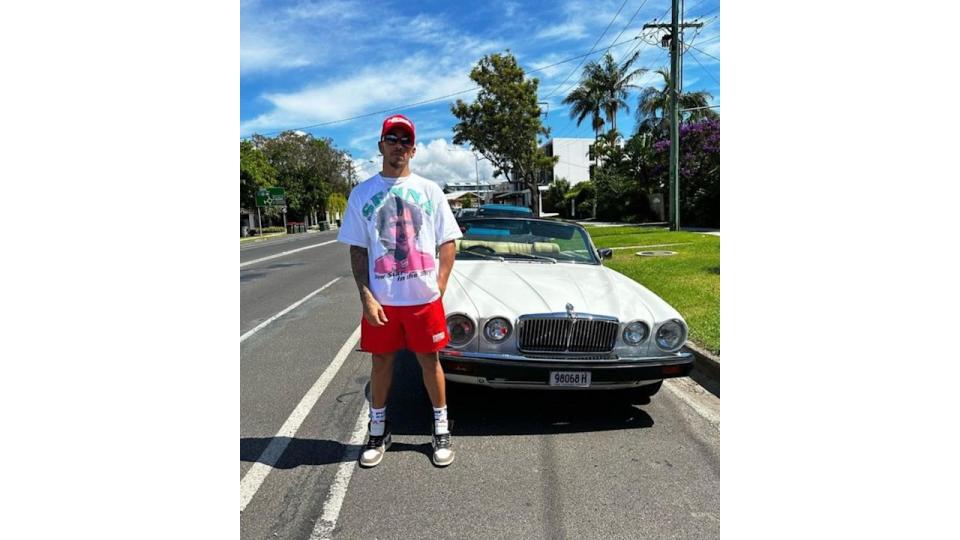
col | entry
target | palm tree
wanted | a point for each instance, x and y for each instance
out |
(614, 81)
(653, 100)
(586, 99)
(607, 146)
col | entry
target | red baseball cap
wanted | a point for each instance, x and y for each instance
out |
(399, 121)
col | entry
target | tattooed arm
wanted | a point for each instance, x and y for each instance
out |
(372, 310)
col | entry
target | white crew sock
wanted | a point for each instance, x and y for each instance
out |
(378, 421)
(440, 423)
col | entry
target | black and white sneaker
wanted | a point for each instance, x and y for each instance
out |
(372, 453)
(442, 452)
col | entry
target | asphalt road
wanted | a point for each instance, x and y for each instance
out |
(529, 464)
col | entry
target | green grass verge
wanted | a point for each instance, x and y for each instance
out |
(689, 280)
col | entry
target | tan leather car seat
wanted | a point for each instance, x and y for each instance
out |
(536, 248)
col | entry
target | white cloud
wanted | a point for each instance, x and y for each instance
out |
(551, 72)
(376, 87)
(305, 34)
(260, 52)
(436, 160)
(570, 30)
(321, 10)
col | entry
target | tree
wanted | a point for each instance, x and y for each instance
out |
(699, 171)
(607, 148)
(583, 195)
(657, 100)
(504, 122)
(336, 204)
(308, 169)
(613, 81)
(255, 173)
(556, 197)
(586, 99)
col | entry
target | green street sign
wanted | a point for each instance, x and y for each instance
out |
(274, 196)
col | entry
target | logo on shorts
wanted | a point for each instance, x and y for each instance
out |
(437, 338)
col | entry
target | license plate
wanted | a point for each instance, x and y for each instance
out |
(569, 378)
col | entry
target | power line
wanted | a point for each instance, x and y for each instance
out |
(694, 56)
(706, 53)
(568, 127)
(624, 29)
(591, 48)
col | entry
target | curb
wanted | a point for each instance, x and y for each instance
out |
(707, 363)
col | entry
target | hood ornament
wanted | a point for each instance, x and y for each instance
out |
(569, 309)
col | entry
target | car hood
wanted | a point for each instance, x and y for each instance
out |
(489, 288)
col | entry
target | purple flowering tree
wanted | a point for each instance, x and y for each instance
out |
(699, 172)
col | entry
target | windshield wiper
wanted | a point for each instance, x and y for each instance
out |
(531, 256)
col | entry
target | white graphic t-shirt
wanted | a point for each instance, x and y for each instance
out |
(402, 222)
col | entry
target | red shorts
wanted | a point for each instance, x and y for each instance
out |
(419, 329)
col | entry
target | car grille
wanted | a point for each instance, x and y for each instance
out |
(567, 334)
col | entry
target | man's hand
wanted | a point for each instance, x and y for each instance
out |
(373, 312)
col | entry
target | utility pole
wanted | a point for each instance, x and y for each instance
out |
(675, 29)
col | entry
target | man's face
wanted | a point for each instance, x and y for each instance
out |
(399, 233)
(395, 153)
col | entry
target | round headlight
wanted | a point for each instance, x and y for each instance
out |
(671, 335)
(635, 333)
(461, 329)
(496, 329)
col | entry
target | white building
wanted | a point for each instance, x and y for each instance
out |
(574, 163)
(483, 190)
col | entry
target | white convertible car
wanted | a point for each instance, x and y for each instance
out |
(530, 305)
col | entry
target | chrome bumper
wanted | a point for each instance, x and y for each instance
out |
(513, 371)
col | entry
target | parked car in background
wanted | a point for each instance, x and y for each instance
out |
(463, 213)
(530, 305)
(503, 210)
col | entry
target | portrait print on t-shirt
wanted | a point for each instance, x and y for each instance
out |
(398, 226)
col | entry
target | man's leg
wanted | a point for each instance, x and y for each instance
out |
(437, 390)
(381, 377)
(433, 378)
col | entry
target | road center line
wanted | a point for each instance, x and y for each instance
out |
(338, 489)
(289, 308)
(255, 476)
(285, 253)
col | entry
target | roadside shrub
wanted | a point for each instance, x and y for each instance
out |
(268, 230)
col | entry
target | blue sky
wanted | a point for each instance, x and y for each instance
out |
(304, 63)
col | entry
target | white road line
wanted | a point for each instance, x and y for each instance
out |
(255, 476)
(289, 308)
(338, 489)
(285, 253)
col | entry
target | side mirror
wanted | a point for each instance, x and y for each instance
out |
(605, 253)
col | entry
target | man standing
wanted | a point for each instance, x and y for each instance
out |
(394, 223)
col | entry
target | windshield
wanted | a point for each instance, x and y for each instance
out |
(525, 240)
